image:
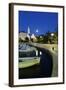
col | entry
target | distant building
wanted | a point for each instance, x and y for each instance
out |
(33, 37)
(22, 35)
(27, 34)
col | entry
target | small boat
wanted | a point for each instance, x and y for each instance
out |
(28, 56)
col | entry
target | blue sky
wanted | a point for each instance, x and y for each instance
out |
(41, 21)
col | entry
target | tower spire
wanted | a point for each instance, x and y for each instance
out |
(28, 30)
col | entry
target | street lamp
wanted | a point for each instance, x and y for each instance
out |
(52, 34)
(37, 31)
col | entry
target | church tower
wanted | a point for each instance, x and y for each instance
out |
(28, 33)
(28, 30)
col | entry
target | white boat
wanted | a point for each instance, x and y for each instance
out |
(28, 56)
(27, 62)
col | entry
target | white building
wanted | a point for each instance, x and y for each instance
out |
(23, 35)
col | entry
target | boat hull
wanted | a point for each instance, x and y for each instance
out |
(28, 62)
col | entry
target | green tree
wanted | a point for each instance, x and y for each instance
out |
(26, 39)
(20, 40)
(48, 37)
(55, 37)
